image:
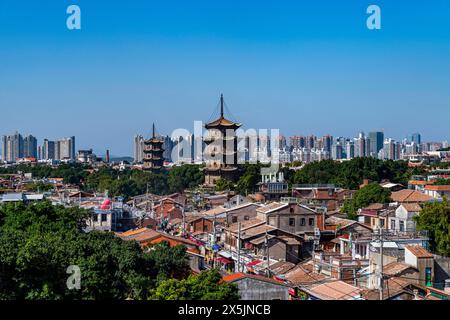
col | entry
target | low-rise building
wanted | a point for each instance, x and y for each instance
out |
(256, 287)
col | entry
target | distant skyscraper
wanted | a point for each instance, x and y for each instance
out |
(337, 151)
(360, 145)
(417, 138)
(167, 146)
(281, 142)
(327, 141)
(350, 150)
(138, 153)
(376, 142)
(391, 149)
(30, 147)
(48, 150)
(12, 147)
(65, 149)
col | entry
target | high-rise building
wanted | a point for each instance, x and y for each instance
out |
(376, 142)
(350, 150)
(311, 142)
(65, 149)
(297, 142)
(337, 151)
(391, 149)
(416, 138)
(327, 141)
(138, 153)
(360, 145)
(281, 142)
(48, 150)
(167, 146)
(30, 147)
(12, 147)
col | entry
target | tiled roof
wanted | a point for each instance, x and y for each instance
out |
(244, 225)
(407, 195)
(302, 274)
(438, 187)
(256, 230)
(238, 276)
(272, 206)
(412, 207)
(281, 267)
(335, 290)
(222, 122)
(339, 222)
(395, 268)
(374, 206)
(419, 182)
(419, 251)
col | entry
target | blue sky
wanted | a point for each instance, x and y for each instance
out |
(302, 66)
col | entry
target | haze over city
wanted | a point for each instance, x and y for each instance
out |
(305, 68)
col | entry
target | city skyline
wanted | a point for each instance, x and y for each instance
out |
(40, 143)
(303, 68)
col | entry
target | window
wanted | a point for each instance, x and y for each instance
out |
(311, 221)
(246, 218)
(382, 223)
(94, 218)
(291, 209)
(302, 221)
(393, 224)
(291, 222)
(402, 226)
(104, 216)
(234, 219)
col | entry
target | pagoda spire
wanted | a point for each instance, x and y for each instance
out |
(221, 105)
(153, 130)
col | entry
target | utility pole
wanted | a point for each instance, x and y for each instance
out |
(184, 221)
(214, 241)
(267, 257)
(381, 263)
(239, 248)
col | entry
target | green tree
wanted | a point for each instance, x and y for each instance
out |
(224, 184)
(168, 262)
(207, 285)
(185, 177)
(39, 241)
(372, 193)
(435, 218)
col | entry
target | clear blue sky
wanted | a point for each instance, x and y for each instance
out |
(301, 66)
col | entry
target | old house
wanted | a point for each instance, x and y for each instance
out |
(403, 220)
(410, 196)
(289, 216)
(256, 287)
(256, 237)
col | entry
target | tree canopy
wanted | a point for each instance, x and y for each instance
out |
(206, 286)
(435, 218)
(350, 174)
(38, 242)
(372, 193)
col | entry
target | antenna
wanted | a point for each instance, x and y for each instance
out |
(221, 105)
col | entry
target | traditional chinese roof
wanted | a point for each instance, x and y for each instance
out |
(222, 121)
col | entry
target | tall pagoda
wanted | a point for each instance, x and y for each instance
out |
(153, 153)
(221, 149)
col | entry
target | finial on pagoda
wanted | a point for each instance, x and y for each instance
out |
(153, 132)
(221, 105)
